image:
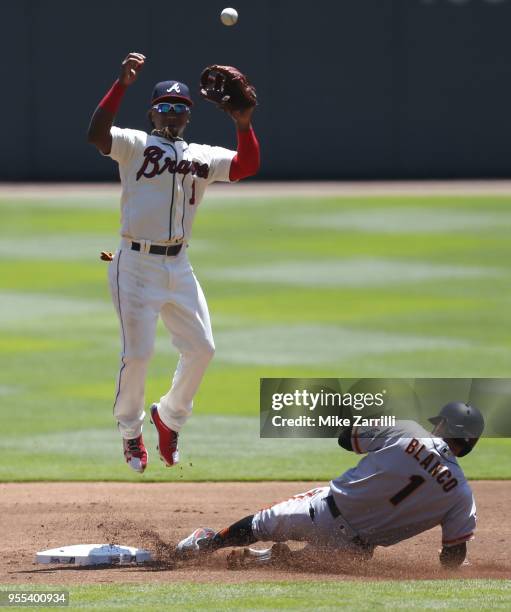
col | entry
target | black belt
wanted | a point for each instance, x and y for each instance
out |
(156, 249)
(332, 506)
(365, 547)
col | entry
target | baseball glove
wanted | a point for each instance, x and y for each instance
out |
(227, 87)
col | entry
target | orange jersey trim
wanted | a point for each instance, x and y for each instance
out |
(460, 540)
(354, 437)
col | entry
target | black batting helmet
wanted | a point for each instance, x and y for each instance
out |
(462, 422)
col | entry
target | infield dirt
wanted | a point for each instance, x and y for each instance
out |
(37, 516)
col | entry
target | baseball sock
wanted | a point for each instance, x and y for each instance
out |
(238, 534)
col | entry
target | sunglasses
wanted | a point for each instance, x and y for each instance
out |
(165, 107)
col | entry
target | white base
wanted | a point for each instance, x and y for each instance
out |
(94, 554)
(259, 554)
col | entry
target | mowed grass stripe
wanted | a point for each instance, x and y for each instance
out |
(95, 453)
(293, 595)
(413, 220)
(71, 247)
(351, 273)
(316, 344)
(22, 307)
(338, 299)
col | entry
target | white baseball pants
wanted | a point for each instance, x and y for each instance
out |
(144, 286)
(305, 517)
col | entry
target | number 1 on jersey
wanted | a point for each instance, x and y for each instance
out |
(192, 199)
(415, 483)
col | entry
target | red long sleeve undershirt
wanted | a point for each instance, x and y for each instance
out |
(113, 97)
(246, 162)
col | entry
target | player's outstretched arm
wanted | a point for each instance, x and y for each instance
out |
(103, 117)
(247, 160)
(452, 557)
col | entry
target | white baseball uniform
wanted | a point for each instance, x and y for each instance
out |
(404, 486)
(163, 183)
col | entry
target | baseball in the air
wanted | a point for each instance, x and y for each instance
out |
(229, 16)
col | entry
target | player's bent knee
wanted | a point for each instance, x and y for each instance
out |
(209, 351)
(205, 351)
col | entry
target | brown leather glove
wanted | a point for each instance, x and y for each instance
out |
(227, 87)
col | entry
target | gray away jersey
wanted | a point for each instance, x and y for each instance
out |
(408, 482)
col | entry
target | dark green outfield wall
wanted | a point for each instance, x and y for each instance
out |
(348, 88)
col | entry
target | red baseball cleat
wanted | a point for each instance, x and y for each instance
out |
(136, 454)
(167, 439)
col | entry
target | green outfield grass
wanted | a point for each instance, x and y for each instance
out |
(339, 287)
(313, 595)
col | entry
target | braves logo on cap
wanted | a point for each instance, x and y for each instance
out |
(171, 90)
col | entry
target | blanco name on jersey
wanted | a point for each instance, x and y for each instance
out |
(431, 464)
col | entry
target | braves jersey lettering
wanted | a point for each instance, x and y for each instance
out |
(163, 183)
(153, 155)
(438, 471)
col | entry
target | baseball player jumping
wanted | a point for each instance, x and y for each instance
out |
(163, 181)
(409, 482)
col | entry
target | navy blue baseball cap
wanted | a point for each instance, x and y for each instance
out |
(171, 90)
